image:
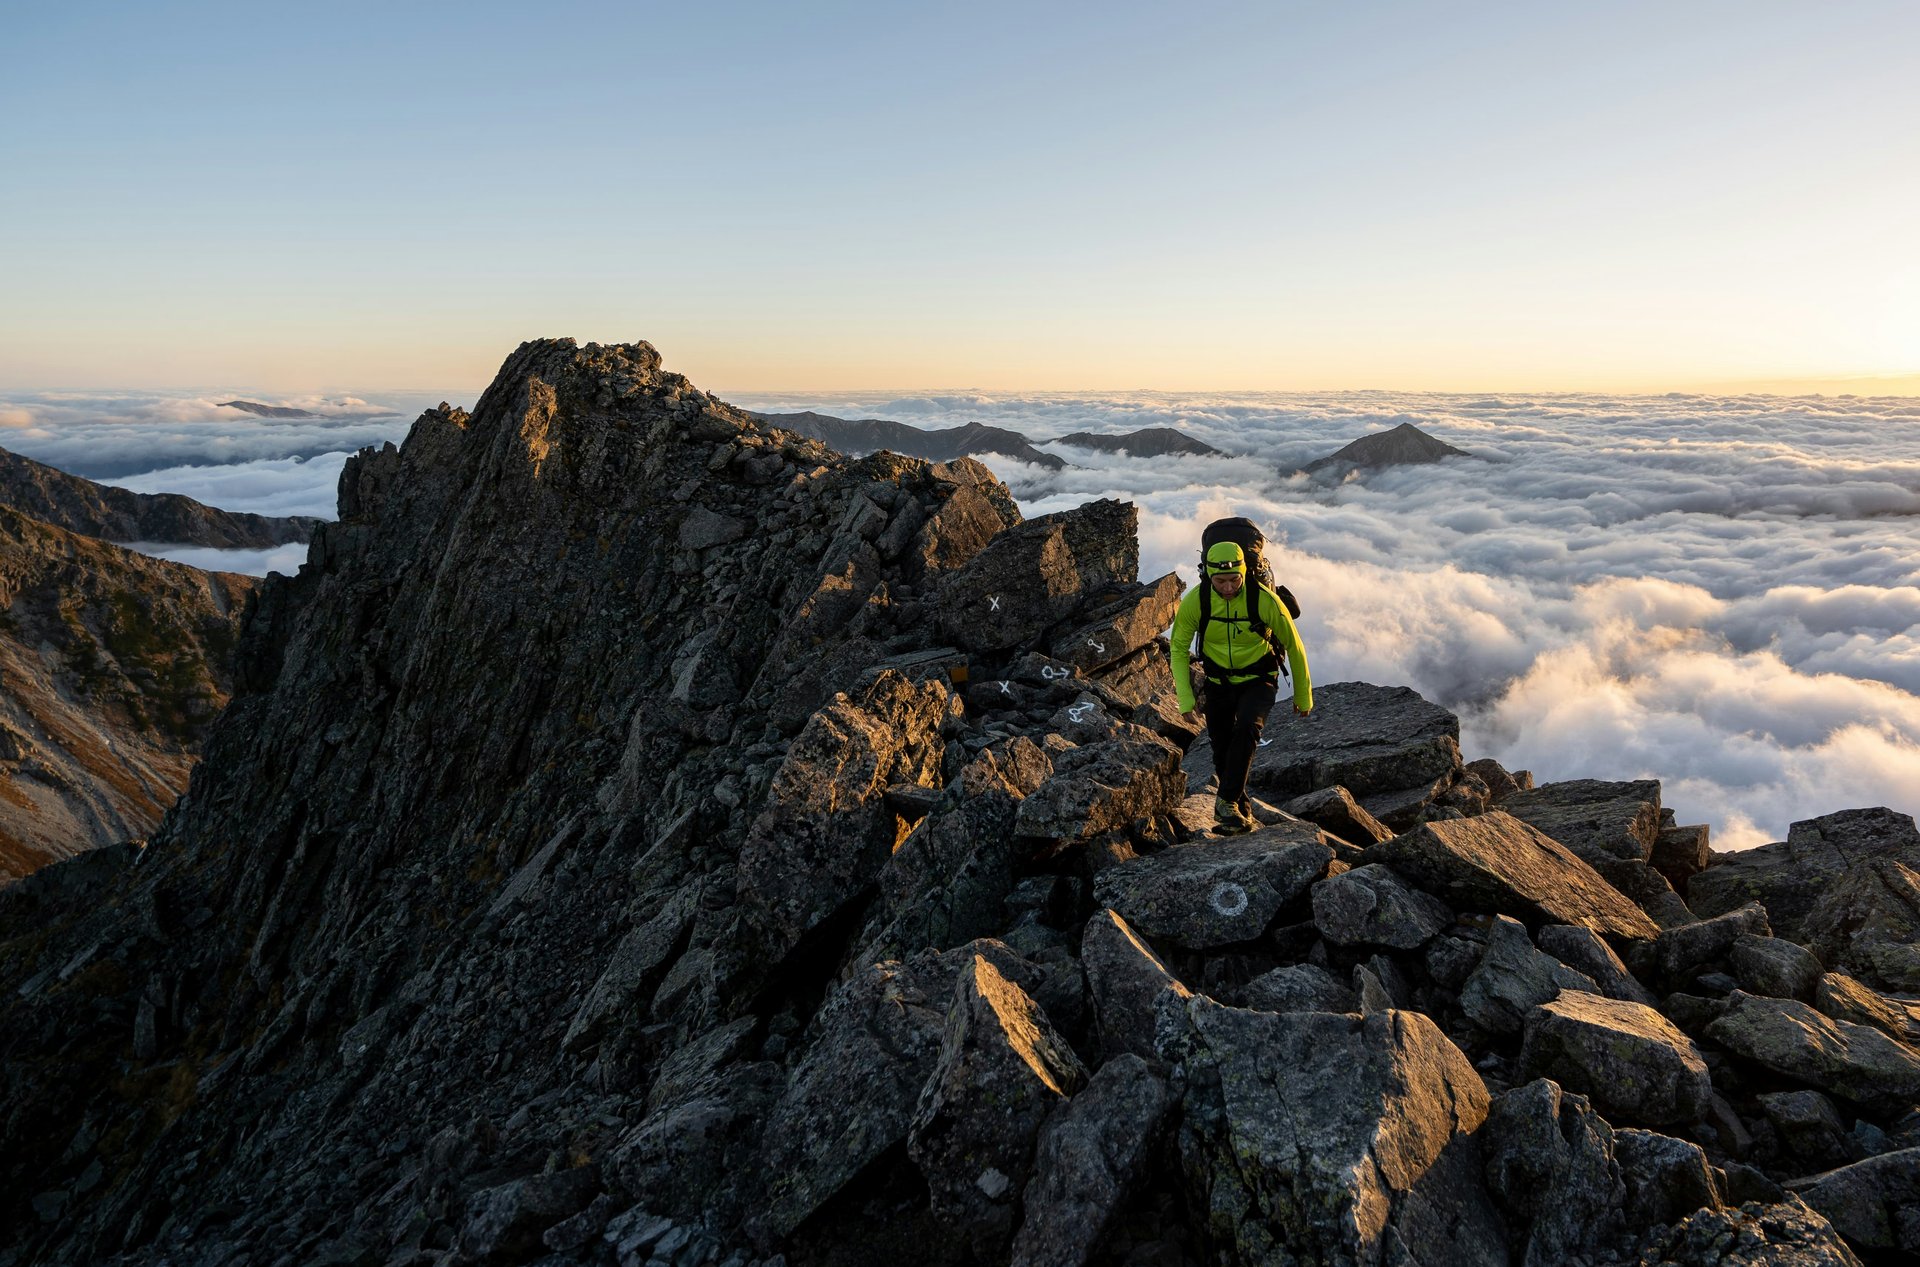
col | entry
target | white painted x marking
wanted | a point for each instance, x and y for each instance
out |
(995, 600)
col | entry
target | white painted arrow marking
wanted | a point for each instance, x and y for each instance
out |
(1052, 674)
(1079, 712)
(1265, 742)
(1101, 647)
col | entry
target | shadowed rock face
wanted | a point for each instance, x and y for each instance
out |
(114, 666)
(606, 860)
(97, 510)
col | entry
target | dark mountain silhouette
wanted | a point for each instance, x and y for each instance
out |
(871, 435)
(1148, 442)
(1404, 445)
(267, 411)
(640, 835)
(115, 514)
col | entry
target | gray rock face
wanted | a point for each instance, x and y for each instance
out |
(1031, 577)
(1628, 1058)
(1851, 1061)
(1680, 853)
(1002, 1069)
(1773, 965)
(1679, 954)
(1219, 892)
(1874, 1203)
(1667, 1179)
(1323, 1138)
(1809, 1127)
(1844, 999)
(1094, 1153)
(1121, 626)
(1756, 1234)
(854, 1094)
(1512, 979)
(1583, 950)
(1498, 863)
(1362, 737)
(1868, 923)
(1789, 877)
(504, 1223)
(1335, 809)
(1300, 987)
(1593, 817)
(827, 829)
(1100, 786)
(1372, 906)
(1550, 1164)
(1126, 980)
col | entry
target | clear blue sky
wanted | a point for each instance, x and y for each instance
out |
(1274, 195)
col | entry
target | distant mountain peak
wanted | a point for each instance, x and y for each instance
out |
(266, 411)
(1404, 445)
(1147, 442)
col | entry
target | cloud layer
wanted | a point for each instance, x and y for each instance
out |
(1721, 592)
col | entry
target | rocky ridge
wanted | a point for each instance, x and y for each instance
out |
(641, 836)
(114, 667)
(115, 514)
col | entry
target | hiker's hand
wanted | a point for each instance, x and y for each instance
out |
(1302, 712)
(1186, 712)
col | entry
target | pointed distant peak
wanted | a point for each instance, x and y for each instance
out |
(1404, 445)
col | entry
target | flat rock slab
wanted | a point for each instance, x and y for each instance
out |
(1217, 892)
(1854, 1062)
(1365, 738)
(1789, 877)
(1497, 863)
(1311, 1137)
(1874, 1203)
(1626, 1057)
(1592, 816)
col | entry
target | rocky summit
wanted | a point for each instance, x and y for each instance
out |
(642, 836)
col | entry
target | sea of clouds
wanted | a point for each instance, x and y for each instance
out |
(1720, 592)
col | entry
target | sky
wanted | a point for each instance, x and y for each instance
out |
(1715, 195)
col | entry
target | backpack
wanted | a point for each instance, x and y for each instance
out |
(1253, 543)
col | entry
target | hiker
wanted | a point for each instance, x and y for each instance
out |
(1243, 628)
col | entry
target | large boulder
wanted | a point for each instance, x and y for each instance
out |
(1512, 979)
(1031, 577)
(1095, 1152)
(1789, 877)
(1299, 987)
(1844, 999)
(1594, 818)
(1496, 863)
(1372, 906)
(1549, 1160)
(1757, 1234)
(1335, 809)
(1874, 1203)
(1631, 1060)
(1363, 737)
(1667, 1178)
(1098, 787)
(1126, 980)
(1112, 630)
(1809, 1127)
(1002, 1069)
(1776, 966)
(1869, 924)
(1586, 951)
(827, 828)
(1218, 892)
(1679, 954)
(1311, 1137)
(1853, 1062)
(852, 1094)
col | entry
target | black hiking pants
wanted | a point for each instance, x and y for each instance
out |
(1236, 714)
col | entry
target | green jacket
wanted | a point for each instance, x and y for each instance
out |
(1231, 641)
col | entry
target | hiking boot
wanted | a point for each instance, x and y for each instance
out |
(1229, 820)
